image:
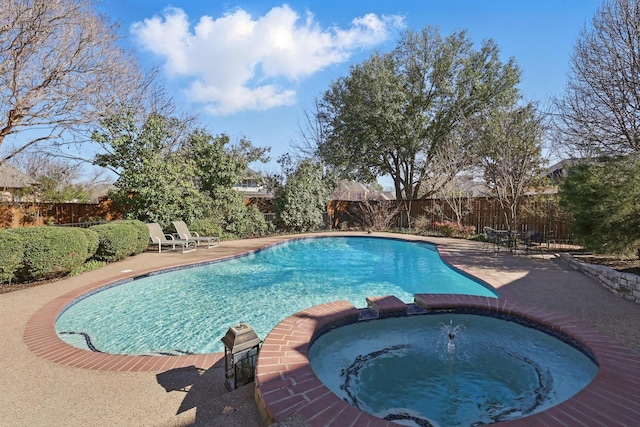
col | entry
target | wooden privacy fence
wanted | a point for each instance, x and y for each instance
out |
(480, 212)
(15, 215)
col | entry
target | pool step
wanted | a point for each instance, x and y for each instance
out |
(387, 306)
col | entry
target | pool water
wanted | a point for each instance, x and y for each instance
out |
(403, 369)
(189, 310)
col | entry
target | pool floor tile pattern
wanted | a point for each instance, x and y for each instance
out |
(285, 383)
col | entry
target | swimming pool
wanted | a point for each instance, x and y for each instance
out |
(188, 311)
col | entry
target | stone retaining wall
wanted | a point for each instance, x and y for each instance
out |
(625, 285)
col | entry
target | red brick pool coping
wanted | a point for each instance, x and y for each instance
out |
(285, 383)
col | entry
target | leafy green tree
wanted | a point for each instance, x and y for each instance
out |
(169, 172)
(603, 200)
(156, 180)
(302, 200)
(511, 155)
(53, 189)
(397, 113)
(219, 166)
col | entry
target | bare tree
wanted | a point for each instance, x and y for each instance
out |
(377, 215)
(512, 155)
(61, 69)
(599, 113)
(457, 194)
(61, 180)
(311, 133)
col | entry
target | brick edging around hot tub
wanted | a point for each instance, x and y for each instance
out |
(286, 385)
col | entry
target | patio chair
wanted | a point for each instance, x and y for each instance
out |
(531, 240)
(185, 234)
(158, 237)
(490, 238)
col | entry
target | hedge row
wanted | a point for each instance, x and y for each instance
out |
(37, 253)
(11, 254)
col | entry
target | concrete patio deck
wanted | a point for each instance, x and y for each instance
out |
(44, 385)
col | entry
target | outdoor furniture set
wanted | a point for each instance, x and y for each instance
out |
(511, 241)
(183, 238)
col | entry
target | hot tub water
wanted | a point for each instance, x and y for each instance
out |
(448, 369)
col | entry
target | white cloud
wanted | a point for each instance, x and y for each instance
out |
(236, 63)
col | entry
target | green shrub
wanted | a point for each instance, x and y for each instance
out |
(302, 200)
(93, 240)
(236, 221)
(601, 196)
(118, 240)
(453, 229)
(51, 251)
(142, 233)
(206, 227)
(478, 238)
(244, 221)
(11, 254)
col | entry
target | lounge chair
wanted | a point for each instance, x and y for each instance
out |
(158, 237)
(185, 234)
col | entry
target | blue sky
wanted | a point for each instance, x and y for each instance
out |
(250, 69)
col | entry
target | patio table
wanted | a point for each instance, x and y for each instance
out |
(508, 238)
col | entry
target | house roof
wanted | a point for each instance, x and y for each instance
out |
(250, 173)
(354, 191)
(11, 177)
(559, 169)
